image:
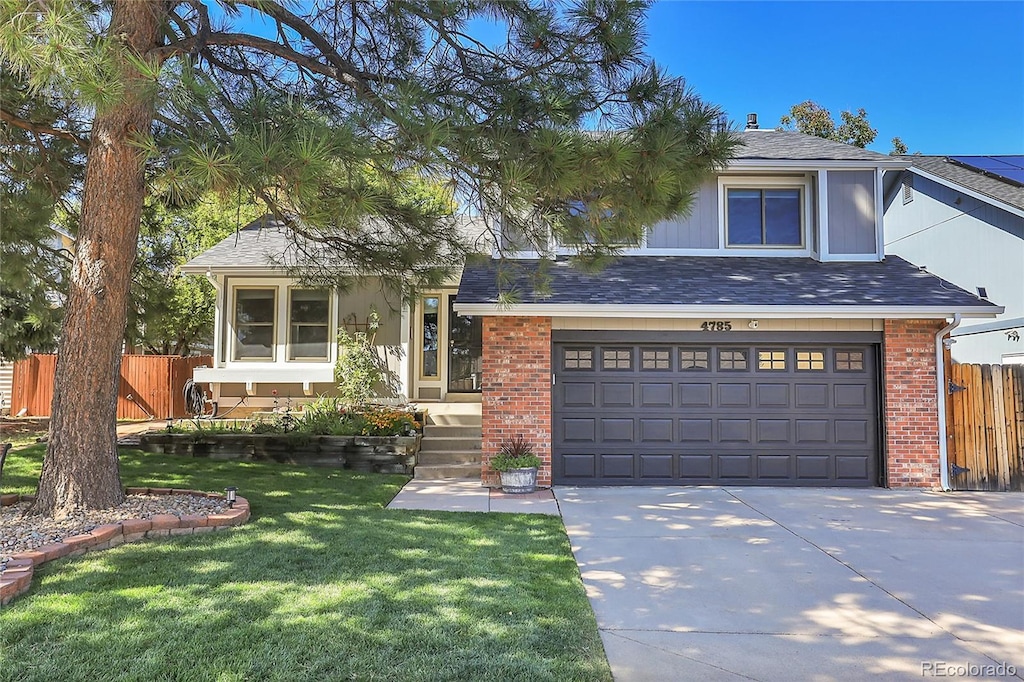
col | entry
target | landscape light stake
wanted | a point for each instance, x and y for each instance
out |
(231, 490)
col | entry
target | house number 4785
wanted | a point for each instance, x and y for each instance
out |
(716, 326)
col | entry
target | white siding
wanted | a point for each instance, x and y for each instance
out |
(6, 385)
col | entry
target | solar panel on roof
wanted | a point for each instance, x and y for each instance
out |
(1009, 168)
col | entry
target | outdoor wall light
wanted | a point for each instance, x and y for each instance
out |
(231, 490)
(170, 424)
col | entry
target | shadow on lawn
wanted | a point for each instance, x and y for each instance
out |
(321, 583)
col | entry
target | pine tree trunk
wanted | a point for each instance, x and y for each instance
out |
(81, 467)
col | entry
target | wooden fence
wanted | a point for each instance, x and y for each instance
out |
(986, 427)
(150, 385)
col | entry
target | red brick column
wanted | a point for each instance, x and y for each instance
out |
(911, 415)
(517, 389)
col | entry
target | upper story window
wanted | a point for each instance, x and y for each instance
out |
(764, 216)
(309, 325)
(254, 324)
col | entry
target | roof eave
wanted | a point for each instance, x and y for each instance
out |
(703, 311)
(953, 184)
(885, 164)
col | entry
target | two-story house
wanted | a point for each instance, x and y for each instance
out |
(764, 339)
(963, 218)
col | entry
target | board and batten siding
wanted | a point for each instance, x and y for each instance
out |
(851, 212)
(698, 230)
(972, 244)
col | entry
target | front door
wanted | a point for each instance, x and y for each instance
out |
(448, 349)
(465, 351)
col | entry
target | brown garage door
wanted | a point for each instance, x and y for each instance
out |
(758, 413)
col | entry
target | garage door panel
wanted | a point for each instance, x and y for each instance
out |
(694, 394)
(656, 395)
(695, 430)
(656, 430)
(579, 430)
(773, 430)
(657, 466)
(773, 395)
(660, 412)
(739, 466)
(733, 430)
(734, 395)
(617, 431)
(774, 467)
(618, 465)
(617, 395)
(579, 394)
(813, 467)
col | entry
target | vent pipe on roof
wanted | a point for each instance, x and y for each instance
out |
(752, 122)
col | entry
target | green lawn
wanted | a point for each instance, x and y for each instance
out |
(323, 583)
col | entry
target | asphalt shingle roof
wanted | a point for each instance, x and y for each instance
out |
(722, 281)
(266, 243)
(979, 182)
(782, 145)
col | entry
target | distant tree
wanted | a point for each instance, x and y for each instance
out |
(811, 118)
(898, 148)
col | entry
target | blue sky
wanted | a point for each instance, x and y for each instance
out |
(946, 77)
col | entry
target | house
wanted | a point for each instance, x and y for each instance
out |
(963, 218)
(765, 339)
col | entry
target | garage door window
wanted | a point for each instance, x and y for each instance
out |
(810, 360)
(771, 359)
(732, 360)
(578, 358)
(654, 359)
(694, 359)
(617, 358)
(849, 361)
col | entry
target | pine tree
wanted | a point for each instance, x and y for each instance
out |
(331, 119)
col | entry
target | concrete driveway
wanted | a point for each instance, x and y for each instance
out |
(801, 584)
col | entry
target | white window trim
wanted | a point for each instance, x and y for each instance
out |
(726, 182)
(233, 323)
(288, 329)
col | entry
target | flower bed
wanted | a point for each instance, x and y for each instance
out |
(16, 577)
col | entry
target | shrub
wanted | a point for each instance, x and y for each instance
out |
(357, 370)
(515, 454)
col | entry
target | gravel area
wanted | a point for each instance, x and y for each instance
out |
(20, 533)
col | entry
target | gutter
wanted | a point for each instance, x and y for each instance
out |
(940, 375)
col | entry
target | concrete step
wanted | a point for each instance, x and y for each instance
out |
(444, 444)
(438, 431)
(454, 419)
(449, 457)
(433, 472)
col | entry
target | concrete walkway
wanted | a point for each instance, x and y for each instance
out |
(784, 584)
(470, 496)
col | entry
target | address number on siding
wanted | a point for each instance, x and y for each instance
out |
(716, 326)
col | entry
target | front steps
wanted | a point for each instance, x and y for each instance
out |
(450, 448)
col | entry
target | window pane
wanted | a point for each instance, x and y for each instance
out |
(254, 341)
(693, 359)
(310, 306)
(578, 358)
(254, 306)
(782, 217)
(617, 359)
(430, 329)
(309, 341)
(744, 216)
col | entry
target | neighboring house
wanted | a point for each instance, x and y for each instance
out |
(762, 340)
(963, 218)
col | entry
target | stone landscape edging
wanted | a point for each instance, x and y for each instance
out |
(17, 576)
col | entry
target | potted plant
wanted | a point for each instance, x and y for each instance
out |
(517, 466)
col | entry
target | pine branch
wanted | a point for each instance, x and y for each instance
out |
(39, 128)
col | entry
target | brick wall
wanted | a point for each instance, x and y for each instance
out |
(516, 391)
(911, 416)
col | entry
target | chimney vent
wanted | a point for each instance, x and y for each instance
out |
(751, 121)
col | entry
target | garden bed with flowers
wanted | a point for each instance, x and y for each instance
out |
(376, 438)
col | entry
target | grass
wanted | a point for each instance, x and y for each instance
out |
(323, 583)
